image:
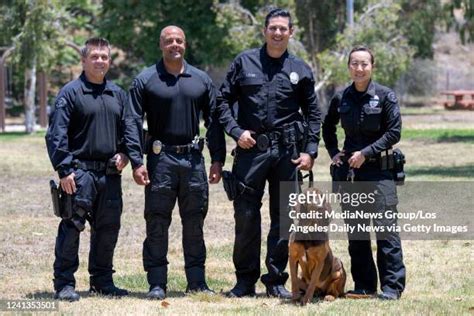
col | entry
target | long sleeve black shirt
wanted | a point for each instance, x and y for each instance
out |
(371, 121)
(172, 105)
(86, 124)
(269, 92)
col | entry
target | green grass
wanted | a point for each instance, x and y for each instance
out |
(18, 136)
(445, 172)
(440, 135)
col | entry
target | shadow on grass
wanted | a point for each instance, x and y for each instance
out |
(455, 138)
(466, 171)
(85, 294)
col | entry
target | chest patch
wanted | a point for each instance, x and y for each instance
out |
(374, 102)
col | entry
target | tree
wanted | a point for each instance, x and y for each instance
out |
(464, 21)
(376, 28)
(38, 29)
(134, 27)
(418, 19)
(34, 46)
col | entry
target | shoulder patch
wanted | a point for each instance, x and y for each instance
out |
(135, 83)
(392, 97)
(60, 103)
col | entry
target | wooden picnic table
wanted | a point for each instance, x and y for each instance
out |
(463, 99)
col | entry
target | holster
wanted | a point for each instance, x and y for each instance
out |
(111, 168)
(62, 202)
(233, 187)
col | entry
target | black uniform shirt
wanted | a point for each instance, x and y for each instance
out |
(86, 124)
(172, 105)
(371, 121)
(269, 92)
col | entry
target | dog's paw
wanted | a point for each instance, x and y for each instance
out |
(329, 298)
(295, 298)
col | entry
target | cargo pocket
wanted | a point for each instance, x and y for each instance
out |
(387, 192)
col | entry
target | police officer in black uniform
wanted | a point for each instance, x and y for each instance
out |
(173, 94)
(370, 116)
(85, 132)
(270, 87)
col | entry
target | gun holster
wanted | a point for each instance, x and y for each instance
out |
(230, 185)
(233, 187)
(111, 168)
(62, 202)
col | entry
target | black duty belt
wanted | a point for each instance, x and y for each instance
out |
(263, 140)
(157, 147)
(384, 160)
(90, 165)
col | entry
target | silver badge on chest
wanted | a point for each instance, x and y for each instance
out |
(374, 101)
(294, 78)
(157, 146)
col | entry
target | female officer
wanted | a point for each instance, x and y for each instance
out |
(370, 116)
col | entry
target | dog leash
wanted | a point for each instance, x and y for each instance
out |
(299, 175)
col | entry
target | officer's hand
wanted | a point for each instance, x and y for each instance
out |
(246, 140)
(304, 162)
(215, 172)
(68, 184)
(356, 160)
(121, 161)
(336, 160)
(140, 175)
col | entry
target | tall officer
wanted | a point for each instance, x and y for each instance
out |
(173, 94)
(370, 116)
(270, 87)
(85, 132)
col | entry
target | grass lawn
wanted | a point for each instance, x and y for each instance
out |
(439, 272)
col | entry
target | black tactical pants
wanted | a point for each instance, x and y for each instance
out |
(389, 249)
(181, 176)
(101, 196)
(254, 168)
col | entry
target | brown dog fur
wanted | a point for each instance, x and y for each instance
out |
(321, 272)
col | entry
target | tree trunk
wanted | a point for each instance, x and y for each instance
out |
(30, 91)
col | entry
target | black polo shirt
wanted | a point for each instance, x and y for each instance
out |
(86, 123)
(269, 92)
(371, 120)
(173, 105)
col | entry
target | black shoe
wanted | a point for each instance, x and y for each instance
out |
(156, 293)
(389, 296)
(67, 293)
(360, 294)
(109, 290)
(278, 291)
(240, 290)
(199, 288)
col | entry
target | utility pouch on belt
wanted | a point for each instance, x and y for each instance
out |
(62, 202)
(111, 168)
(147, 139)
(398, 167)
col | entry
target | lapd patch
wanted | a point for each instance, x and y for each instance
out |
(294, 78)
(392, 97)
(374, 101)
(60, 103)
